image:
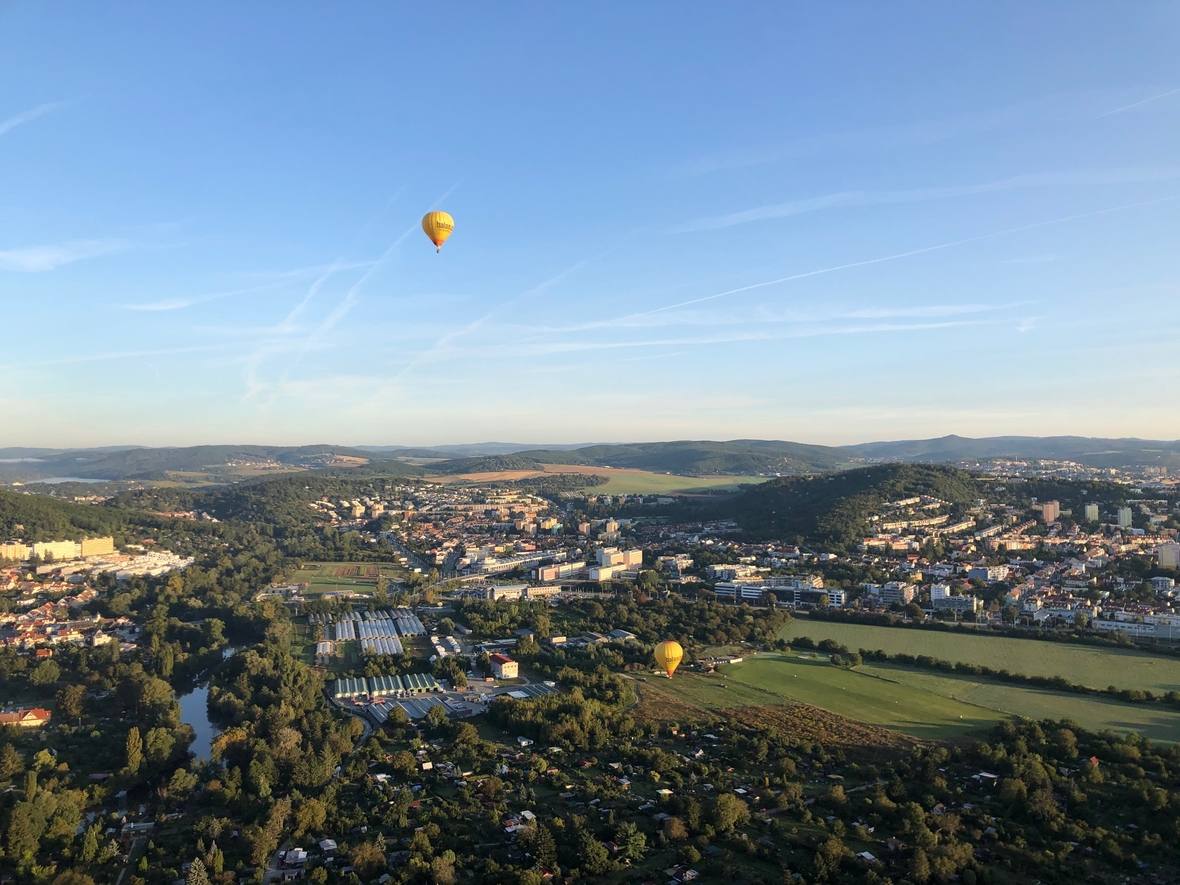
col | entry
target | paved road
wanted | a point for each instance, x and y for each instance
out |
(138, 845)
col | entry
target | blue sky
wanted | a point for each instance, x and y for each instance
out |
(823, 222)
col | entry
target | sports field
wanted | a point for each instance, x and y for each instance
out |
(619, 481)
(344, 577)
(1087, 665)
(915, 702)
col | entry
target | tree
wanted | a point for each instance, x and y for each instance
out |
(920, 866)
(45, 673)
(10, 762)
(729, 811)
(543, 847)
(134, 750)
(367, 857)
(442, 868)
(674, 829)
(436, 716)
(69, 701)
(632, 843)
(828, 856)
(595, 859)
(90, 843)
(196, 873)
(310, 817)
(159, 745)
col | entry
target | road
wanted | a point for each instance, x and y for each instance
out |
(138, 845)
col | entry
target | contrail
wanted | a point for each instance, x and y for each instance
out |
(897, 256)
(475, 324)
(1140, 103)
(29, 116)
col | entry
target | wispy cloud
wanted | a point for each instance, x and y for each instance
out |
(279, 280)
(860, 198)
(1046, 258)
(542, 348)
(254, 386)
(28, 116)
(902, 134)
(897, 256)
(108, 356)
(1140, 103)
(168, 304)
(764, 315)
(446, 340)
(38, 259)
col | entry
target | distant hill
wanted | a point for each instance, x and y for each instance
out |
(833, 510)
(1094, 451)
(467, 450)
(685, 457)
(154, 463)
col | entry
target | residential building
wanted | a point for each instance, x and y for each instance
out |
(989, 574)
(1124, 517)
(896, 593)
(25, 717)
(960, 604)
(1050, 511)
(1091, 511)
(503, 667)
(1169, 555)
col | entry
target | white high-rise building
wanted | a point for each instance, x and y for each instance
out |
(1091, 513)
(1169, 555)
(1124, 517)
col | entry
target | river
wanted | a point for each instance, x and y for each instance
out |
(194, 710)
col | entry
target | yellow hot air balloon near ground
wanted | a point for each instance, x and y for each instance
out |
(438, 226)
(668, 655)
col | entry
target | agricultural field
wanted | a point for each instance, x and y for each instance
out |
(924, 705)
(1088, 665)
(619, 481)
(343, 577)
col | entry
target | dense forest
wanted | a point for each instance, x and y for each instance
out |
(40, 518)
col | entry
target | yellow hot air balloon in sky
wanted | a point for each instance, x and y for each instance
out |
(669, 654)
(438, 226)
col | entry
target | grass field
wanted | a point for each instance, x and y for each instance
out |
(915, 702)
(619, 481)
(1084, 664)
(344, 577)
(1094, 713)
(777, 679)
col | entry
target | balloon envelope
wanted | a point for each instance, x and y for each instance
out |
(668, 655)
(438, 226)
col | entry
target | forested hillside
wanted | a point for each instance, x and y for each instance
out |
(833, 510)
(38, 518)
(685, 457)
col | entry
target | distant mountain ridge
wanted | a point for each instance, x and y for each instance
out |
(154, 463)
(685, 457)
